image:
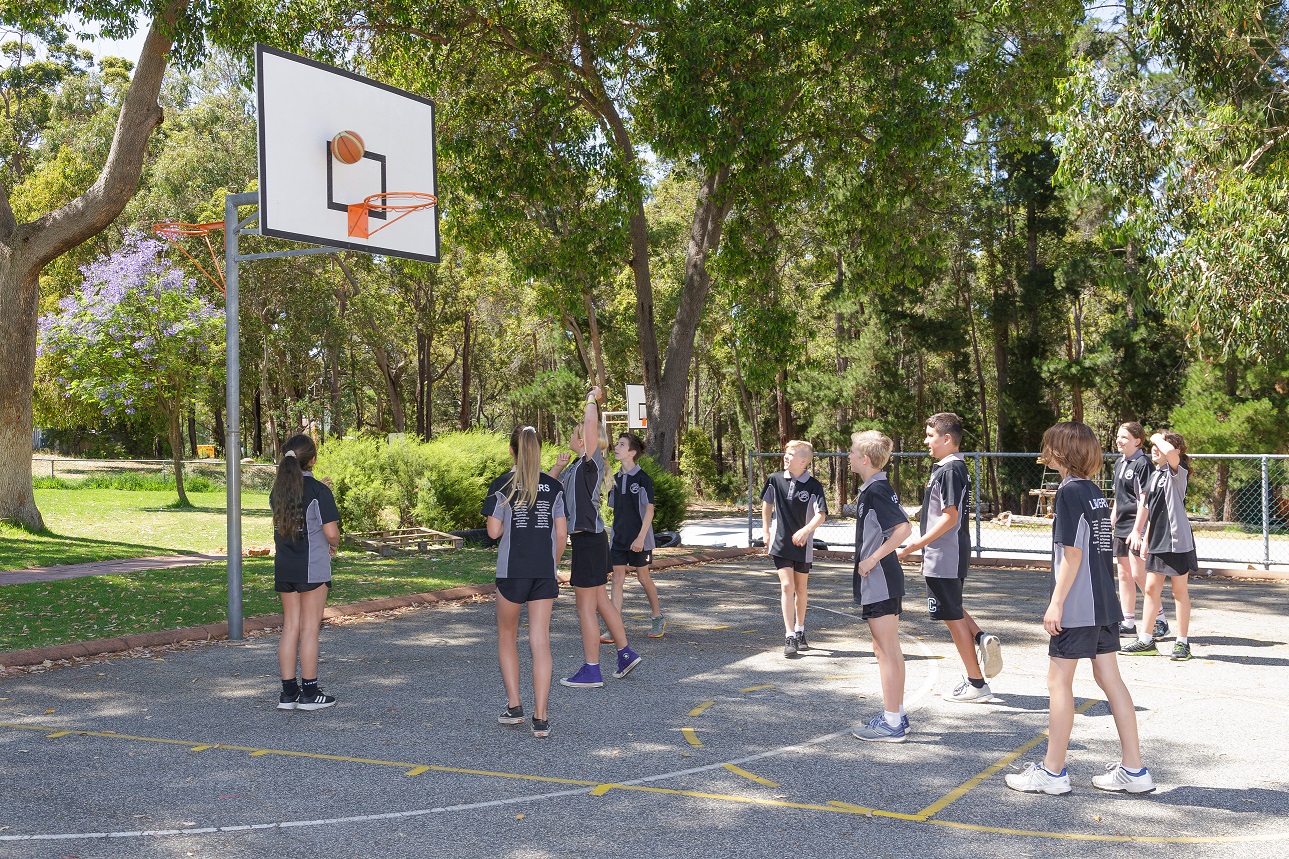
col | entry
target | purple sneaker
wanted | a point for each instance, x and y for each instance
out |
(627, 659)
(587, 677)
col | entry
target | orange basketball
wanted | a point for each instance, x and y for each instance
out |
(348, 147)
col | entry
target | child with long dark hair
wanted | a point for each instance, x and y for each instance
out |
(1169, 544)
(585, 475)
(306, 533)
(525, 511)
(633, 542)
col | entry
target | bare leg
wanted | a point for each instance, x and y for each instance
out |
(1105, 670)
(965, 641)
(1182, 600)
(890, 660)
(589, 624)
(788, 598)
(802, 581)
(311, 605)
(508, 647)
(1154, 597)
(288, 646)
(1060, 720)
(973, 628)
(539, 642)
(650, 589)
(1127, 584)
(612, 619)
(619, 582)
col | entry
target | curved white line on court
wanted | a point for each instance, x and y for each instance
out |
(922, 692)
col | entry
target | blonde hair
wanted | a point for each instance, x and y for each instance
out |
(1075, 447)
(798, 444)
(579, 429)
(527, 449)
(874, 445)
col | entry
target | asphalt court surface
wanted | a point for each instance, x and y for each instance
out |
(715, 745)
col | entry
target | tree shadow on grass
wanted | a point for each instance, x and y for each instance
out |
(50, 549)
(176, 507)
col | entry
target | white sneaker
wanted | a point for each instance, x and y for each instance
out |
(1118, 778)
(1035, 779)
(990, 653)
(965, 693)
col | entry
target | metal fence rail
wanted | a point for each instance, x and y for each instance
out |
(253, 475)
(1238, 504)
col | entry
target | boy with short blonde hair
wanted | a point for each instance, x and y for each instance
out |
(792, 507)
(878, 580)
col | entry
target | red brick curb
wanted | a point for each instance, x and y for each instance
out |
(702, 557)
(218, 631)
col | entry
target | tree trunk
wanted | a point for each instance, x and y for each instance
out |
(465, 374)
(175, 427)
(781, 401)
(597, 350)
(752, 420)
(392, 377)
(570, 324)
(219, 429)
(192, 432)
(25, 249)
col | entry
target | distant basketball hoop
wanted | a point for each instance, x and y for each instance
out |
(173, 231)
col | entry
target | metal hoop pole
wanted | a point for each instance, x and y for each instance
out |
(233, 405)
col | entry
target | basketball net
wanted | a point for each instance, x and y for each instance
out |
(173, 231)
(403, 203)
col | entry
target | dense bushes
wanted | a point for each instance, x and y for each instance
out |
(440, 484)
(697, 465)
(128, 480)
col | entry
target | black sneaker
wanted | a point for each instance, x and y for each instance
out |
(511, 716)
(1181, 651)
(790, 647)
(288, 700)
(801, 641)
(1161, 628)
(541, 728)
(314, 700)
(1127, 631)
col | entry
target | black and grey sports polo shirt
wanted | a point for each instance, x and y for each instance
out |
(796, 500)
(949, 486)
(1081, 521)
(528, 548)
(877, 514)
(630, 497)
(1131, 474)
(305, 558)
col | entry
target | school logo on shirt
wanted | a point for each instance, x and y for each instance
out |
(803, 496)
(635, 488)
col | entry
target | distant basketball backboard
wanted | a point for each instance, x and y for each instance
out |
(306, 191)
(637, 411)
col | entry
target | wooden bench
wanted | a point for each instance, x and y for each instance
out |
(402, 540)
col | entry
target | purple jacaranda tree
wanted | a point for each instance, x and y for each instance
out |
(137, 337)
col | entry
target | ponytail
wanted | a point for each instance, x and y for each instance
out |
(287, 495)
(527, 449)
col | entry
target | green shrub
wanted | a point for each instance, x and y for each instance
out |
(130, 481)
(362, 494)
(459, 467)
(670, 496)
(696, 463)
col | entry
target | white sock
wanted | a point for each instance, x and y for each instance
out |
(892, 719)
(1183, 639)
(1162, 616)
(800, 628)
(1130, 621)
(902, 710)
(1144, 637)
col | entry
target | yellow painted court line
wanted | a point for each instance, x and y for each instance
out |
(260, 753)
(972, 783)
(756, 688)
(692, 738)
(200, 748)
(602, 789)
(750, 776)
(714, 628)
(698, 711)
(417, 771)
(56, 735)
(843, 676)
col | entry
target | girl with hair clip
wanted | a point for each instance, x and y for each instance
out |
(1131, 474)
(306, 533)
(525, 510)
(632, 546)
(1168, 545)
(583, 481)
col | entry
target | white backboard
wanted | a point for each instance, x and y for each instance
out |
(637, 411)
(305, 192)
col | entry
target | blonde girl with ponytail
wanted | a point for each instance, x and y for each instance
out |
(585, 475)
(525, 512)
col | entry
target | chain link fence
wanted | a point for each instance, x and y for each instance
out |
(255, 476)
(1238, 504)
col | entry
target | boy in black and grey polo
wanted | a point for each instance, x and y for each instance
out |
(792, 507)
(633, 542)
(946, 549)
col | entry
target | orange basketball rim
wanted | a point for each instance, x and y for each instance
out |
(173, 231)
(399, 203)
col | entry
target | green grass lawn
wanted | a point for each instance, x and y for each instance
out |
(107, 524)
(92, 607)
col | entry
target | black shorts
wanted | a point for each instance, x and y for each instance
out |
(1172, 563)
(1120, 547)
(526, 590)
(882, 608)
(628, 558)
(1084, 642)
(590, 561)
(781, 563)
(298, 587)
(944, 598)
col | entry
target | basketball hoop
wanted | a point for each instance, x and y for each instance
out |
(403, 203)
(173, 231)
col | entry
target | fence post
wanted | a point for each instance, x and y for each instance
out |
(751, 488)
(1266, 517)
(976, 492)
(51, 466)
